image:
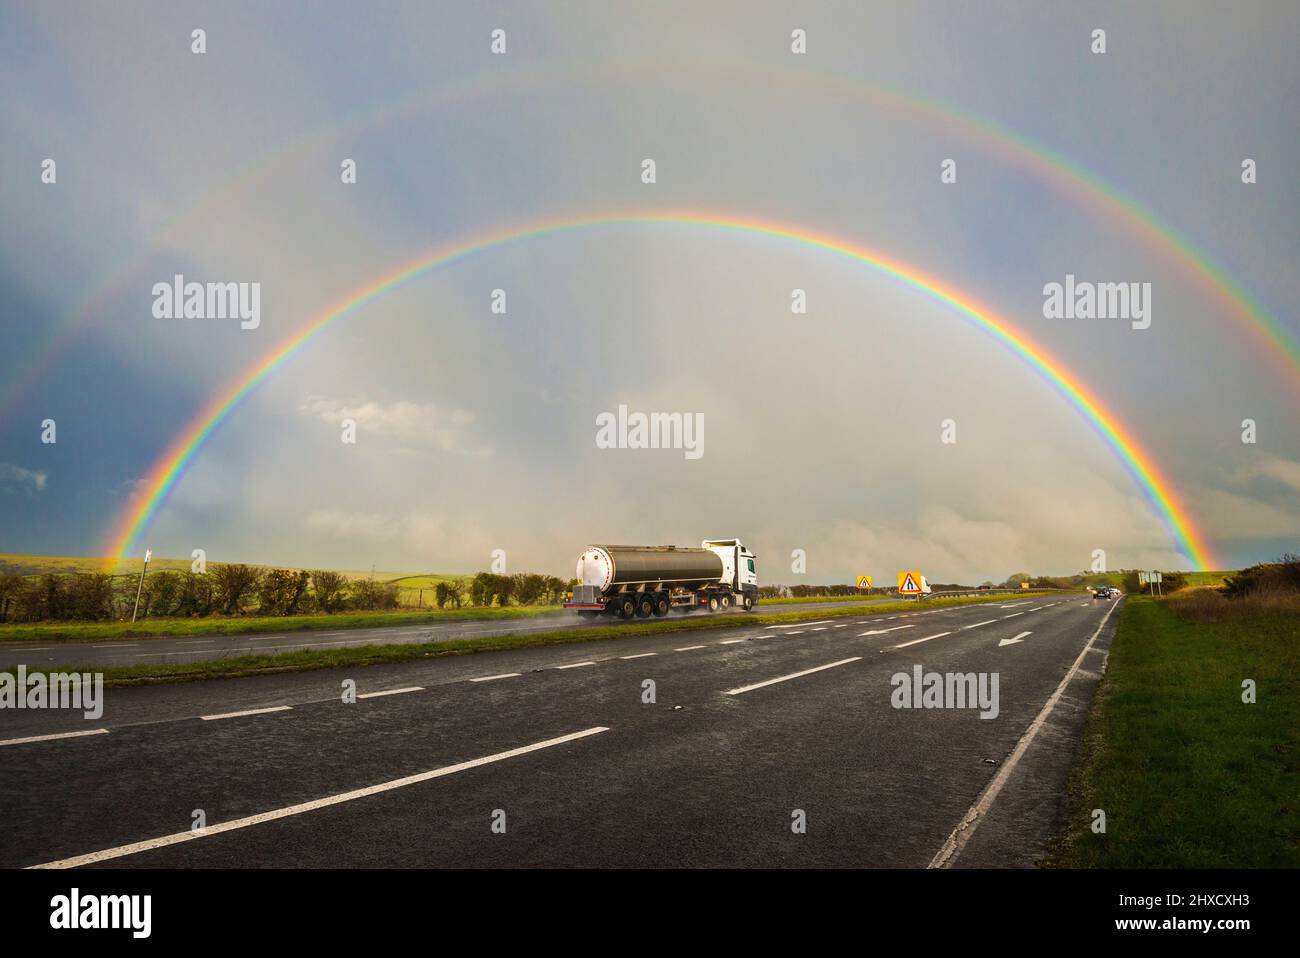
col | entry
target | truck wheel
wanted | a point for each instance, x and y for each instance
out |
(726, 602)
(626, 607)
(748, 603)
(713, 603)
(662, 605)
(644, 607)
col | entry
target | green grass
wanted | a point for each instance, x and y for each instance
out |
(1188, 775)
(1206, 578)
(244, 625)
(311, 659)
(24, 564)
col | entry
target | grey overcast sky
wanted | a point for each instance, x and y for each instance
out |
(476, 430)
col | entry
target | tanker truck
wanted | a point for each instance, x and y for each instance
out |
(641, 581)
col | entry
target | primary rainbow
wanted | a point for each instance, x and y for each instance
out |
(170, 467)
(1274, 341)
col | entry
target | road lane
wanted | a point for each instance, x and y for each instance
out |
(174, 650)
(718, 763)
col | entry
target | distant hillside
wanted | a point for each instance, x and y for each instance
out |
(16, 564)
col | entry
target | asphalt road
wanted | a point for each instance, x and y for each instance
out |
(748, 728)
(194, 648)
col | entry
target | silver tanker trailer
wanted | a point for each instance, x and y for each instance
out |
(642, 581)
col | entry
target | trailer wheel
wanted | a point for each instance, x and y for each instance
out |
(662, 605)
(748, 602)
(626, 607)
(713, 603)
(645, 605)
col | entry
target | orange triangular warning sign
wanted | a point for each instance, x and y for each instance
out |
(909, 584)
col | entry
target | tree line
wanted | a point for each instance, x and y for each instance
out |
(233, 589)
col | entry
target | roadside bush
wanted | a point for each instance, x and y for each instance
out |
(329, 589)
(280, 591)
(486, 586)
(160, 594)
(195, 595)
(232, 584)
(1280, 576)
(369, 595)
(90, 597)
(11, 591)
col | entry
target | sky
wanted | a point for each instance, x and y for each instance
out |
(476, 430)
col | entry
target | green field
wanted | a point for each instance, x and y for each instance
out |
(309, 659)
(20, 564)
(1188, 775)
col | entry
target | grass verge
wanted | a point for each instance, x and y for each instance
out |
(1188, 775)
(310, 659)
(244, 625)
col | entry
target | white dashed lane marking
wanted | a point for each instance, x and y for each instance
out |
(376, 695)
(793, 675)
(230, 715)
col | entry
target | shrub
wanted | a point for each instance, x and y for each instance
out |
(369, 595)
(232, 584)
(195, 595)
(329, 589)
(280, 591)
(1280, 576)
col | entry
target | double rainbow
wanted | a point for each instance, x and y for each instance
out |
(169, 468)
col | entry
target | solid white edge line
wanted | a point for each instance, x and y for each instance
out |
(952, 848)
(493, 678)
(52, 737)
(787, 678)
(227, 715)
(278, 813)
(376, 695)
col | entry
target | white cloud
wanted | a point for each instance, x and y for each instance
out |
(1283, 471)
(421, 424)
(16, 478)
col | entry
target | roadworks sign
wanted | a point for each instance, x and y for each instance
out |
(864, 582)
(909, 583)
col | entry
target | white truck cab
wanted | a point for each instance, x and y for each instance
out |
(737, 564)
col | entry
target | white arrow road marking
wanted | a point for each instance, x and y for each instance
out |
(1018, 638)
(937, 635)
(952, 848)
(883, 631)
(278, 813)
(793, 675)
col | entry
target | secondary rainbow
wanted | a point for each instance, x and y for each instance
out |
(1277, 343)
(171, 466)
